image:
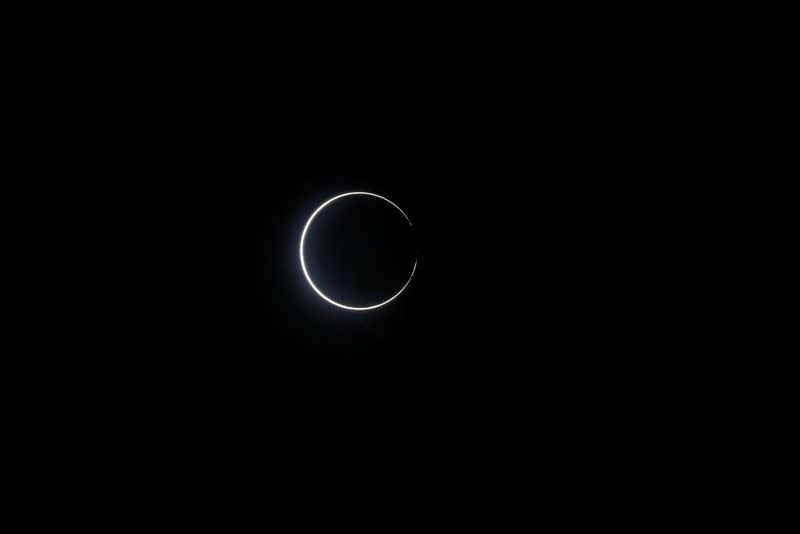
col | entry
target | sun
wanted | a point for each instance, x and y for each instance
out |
(303, 260)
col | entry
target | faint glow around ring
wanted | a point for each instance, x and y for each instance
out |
(303, 260)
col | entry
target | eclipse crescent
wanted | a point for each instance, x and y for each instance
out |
(303, 260)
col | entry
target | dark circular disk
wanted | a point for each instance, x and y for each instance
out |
(360, 250)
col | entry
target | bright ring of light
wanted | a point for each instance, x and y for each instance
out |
(303, 261)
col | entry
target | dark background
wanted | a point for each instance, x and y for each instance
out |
(527, 335)
(557, 349)
(526, 284)
(528, 205)
(521, 346)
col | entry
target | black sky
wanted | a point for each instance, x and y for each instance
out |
(546, 336)
(526, 201)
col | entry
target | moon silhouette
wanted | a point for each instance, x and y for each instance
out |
(315, 286)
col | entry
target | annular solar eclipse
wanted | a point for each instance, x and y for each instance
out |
(339, 301)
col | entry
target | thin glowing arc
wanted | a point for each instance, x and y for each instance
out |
(303, 260)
